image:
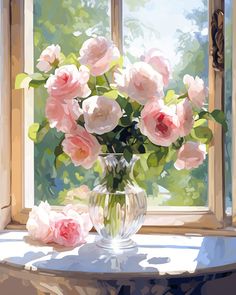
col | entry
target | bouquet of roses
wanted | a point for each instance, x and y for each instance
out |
(101, 107)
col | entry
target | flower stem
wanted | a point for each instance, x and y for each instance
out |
(183, 95)
(108, 83)
(95, 86)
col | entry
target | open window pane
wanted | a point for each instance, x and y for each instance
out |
(69, 24)
(179, 29)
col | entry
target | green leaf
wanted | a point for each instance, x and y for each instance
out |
(38, 131)
(202, 134)
(102, 89)
(217, 116)
(128, 154)
(36, 83)
(43, 131)
(110, 136)
(37, 79)
(178, 143)
(152, 160)
(220, 118)
(204, 115)
(58, 150)
(113, 94)
(199, 122)
(33, 130)
(122, 101)
(77, 175)
(143, 164)
(171, 155)
(37, 76)
(125, 121)
(183, 95)
(64, 158)
(158, 157)
(98, 167)
(170, 97)
(128, 109)
(61, 157)
(100, 80)
(22, 81)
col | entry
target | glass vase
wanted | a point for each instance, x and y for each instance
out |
(117, 206)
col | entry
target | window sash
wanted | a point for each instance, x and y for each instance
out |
(17, 124)
(190, 217)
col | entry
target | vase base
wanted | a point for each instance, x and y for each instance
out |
(116, 244)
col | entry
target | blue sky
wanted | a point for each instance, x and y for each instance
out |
(165, 17)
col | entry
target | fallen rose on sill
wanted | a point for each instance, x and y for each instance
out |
(68, 228)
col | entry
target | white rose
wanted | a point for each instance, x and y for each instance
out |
(48, 57)
(101, 114)
(197, 92)
(98, 54)
(140, 82)
(39, 223)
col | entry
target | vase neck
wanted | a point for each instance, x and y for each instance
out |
(117, 172)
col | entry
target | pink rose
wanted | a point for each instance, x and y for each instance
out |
(141, 82)
(71, 227)
(82, 147)
(68, 232)
(98, 54)
(81, 214)
(159, 63)
(197, 92)
(101, 114)
(190, 155)
(48, 58)
(62, 114)
(39, 224)
(159, 123)
(68, 82)
(185, 115)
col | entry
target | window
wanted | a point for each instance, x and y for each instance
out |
(36, 24)
(70, 26)
(184, 41)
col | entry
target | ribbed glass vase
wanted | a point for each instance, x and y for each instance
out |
(117, 206)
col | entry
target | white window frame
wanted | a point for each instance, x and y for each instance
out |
(166, 219)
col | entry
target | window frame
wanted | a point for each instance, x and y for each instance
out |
(234, 115)
(5, 107)
(166, 219)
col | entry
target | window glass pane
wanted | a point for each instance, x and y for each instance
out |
(67, 23)
(228, 104)
(179, 29)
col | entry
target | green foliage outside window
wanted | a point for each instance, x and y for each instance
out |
(69, 23)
